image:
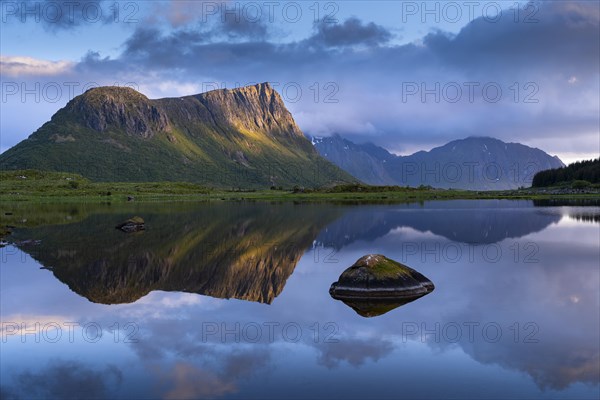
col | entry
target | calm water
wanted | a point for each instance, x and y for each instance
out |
(231, 300)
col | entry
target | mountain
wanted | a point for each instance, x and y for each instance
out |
(363, 161)
(456, 220)
(244, 251)
(242, 137)
(475, 163)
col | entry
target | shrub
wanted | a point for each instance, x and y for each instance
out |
(580, 184)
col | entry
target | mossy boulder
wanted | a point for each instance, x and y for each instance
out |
(376, 284)
(133, 224)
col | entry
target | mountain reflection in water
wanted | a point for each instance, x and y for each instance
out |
(244, 251)
(240, 250)
(280, 260)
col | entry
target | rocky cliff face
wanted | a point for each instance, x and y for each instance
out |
(120, 110)
(242, 137)
(254, 108)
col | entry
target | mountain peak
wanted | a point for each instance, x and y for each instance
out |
(116, 93)
(264, 87)
(115, 108)
(252, 108)
(479, 139)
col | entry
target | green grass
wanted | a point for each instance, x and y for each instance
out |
(46, 186)
(382, 267)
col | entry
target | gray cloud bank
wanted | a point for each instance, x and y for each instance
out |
(527, 82)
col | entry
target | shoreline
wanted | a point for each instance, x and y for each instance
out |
(36, 186)
(381, 197)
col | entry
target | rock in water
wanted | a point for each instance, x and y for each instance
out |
(133, 224)
(375, 285)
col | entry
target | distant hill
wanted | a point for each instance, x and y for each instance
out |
(226, 138)
(588, 171)
(476, 163)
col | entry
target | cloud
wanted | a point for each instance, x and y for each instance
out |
(369, 71)
(191, 382)
(12, 324)
(66, 380)
(502, 52)
(18, 66)
(234, 27)
(143, 43)
(216, 376)
(562, 36)
(169, 300)
(354, 351)
(350, 32)
(59, 15)
(245, 363)
(178, 13)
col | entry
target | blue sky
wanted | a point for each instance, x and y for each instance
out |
(404, 75)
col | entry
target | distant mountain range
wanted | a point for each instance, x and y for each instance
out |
(476, 163)
(242, 137)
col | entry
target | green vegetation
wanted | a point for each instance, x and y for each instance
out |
(385, 268)
(34, 184)
(243, 138)
(46, 186)
(578, 175)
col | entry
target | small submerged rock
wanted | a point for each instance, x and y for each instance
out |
(376, 284)
(133, 224)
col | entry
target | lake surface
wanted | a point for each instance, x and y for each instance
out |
(230, 300)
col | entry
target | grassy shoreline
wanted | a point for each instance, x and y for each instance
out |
(51, 187)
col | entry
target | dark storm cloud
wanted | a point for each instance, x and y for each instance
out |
(351, 32)
(234, 27)
(564, 41)
(558, 52)
(195, 57)
(562, 35)
(150, 43)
